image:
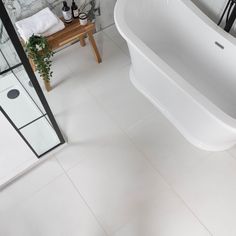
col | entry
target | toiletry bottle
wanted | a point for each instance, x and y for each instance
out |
(74, 10)
(66, 12)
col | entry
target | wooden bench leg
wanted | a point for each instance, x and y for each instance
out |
(32, 64)
(82, 41)
(94, 46)
(47, 85)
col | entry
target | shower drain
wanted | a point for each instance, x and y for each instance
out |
(13, 93)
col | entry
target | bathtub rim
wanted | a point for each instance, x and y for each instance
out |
(197, 97)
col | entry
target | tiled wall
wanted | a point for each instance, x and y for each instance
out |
(107, 10)
(7, 51)
(19, 9)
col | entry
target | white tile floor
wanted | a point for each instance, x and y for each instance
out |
(126, 171)
(15, 156)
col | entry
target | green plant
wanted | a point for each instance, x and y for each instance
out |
(38, 49)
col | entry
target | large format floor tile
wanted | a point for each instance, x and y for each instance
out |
(27, 185)
(119, 184)
(165, 147)
(120, 99)
(115, 36)
(88, 130)
(167, 216)
(210, 191)
(55, 210)
(232, 152)
(115, 182)
(204, 180)
(111, 181)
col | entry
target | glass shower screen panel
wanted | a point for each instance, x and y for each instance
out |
(8, 55)
(20, 102)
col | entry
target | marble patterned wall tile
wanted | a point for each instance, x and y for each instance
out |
(8, 55)
(19, 9)
(3, 64)
(107, 10)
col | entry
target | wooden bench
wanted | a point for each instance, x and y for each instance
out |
(73, 32)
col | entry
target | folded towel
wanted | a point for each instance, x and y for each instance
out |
(25, 39)
(37, 24)
(54, 29)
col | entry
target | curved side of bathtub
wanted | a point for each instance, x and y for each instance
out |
(200, 122)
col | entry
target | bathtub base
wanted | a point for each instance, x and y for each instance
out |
(188, 136)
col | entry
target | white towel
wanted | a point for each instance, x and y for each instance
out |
(54, 29)
(37, 24)
(25, 39)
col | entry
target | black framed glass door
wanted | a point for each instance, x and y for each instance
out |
(21, 99)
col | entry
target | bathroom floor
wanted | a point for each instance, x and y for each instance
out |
(126, 171)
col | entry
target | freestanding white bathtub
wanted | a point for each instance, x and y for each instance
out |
(186, 65)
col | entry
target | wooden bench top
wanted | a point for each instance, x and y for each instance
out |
(72, 31)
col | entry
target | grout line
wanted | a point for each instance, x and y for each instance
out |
(29, 196)
(138, 122)
(149, 162)
(143, 154)
(83, 199)
(119, 46)
(230, 154)
(108, 26)
(167, 182)
(138, 149)
(31, 167)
